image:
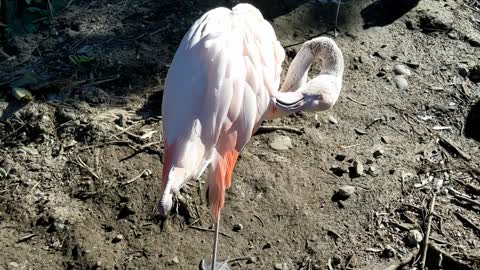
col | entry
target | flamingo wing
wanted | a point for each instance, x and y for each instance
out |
(217, 91)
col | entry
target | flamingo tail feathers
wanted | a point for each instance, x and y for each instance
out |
(220, 179)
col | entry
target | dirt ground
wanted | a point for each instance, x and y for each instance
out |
(80, 165)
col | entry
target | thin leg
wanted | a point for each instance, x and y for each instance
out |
(336, 17)
(215, 242)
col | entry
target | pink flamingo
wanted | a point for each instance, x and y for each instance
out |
(223, 82)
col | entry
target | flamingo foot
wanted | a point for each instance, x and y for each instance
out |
(218, 265)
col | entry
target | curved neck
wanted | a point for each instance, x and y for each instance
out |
(322, 48)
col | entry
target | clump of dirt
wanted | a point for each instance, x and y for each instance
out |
(80, 165)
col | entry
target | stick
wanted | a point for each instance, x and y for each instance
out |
(462, 196)
(356, 101)
(329, 264)
(447, 143)
(209, 230)
(145, 171)
(467, 222)
(26, 237)
(83, 165)
(404, 262)
(283, 128)
(446, 260)
(427, 234)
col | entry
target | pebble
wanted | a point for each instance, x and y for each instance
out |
(338, 171)
(117, 238)
(414, 237)
(385, 140)
(388, 252)
(372, 170)
(452, 35)
(357, 168)
(14, 264)
(237, 227)
(280, 266)
(345, 192)
(462, 70)
(281, 143)
(378, 153)
(267, 245)
(401, 82)
(402, 70)
(332, 119)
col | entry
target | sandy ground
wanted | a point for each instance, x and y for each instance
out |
(80, 165)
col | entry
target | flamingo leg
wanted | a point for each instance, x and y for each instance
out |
(215, 242)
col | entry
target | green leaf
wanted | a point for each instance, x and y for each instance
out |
(28, 79)
(21, 94)
(3, 173)
(81, 60)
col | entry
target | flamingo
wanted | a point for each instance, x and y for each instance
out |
(222, 83)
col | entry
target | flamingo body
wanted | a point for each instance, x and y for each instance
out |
(217, 91)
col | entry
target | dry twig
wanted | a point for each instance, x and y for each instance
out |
(356, 101)
(283, 128)
(427, 233)
(209, 230)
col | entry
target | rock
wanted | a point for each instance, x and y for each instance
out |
(280, 266)
(378, 153)
(389, 252)
(345, 192)
(281, 143)
(117, 238)
(462, 70)
(401, 82)
(360, 131)
(336, 260)
(385, 140)
(338, 171)
(175, 260)
(414, 237)
(357, 168)
(340, 157)
(332, 119)
(452, 35)
(237, 227)
(401, 70)
(474, 74)
(13, 265)
(473, 39)
(372, 170)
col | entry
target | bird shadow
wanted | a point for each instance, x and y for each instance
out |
(385, 12)
(472, 123)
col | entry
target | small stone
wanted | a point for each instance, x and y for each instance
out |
(251, 260)
(14, 264)
(267, 245)
(336, 260)
(389, 252)
(278, 266)
(332, 119)
(117, 238)
(357, 168)
(345, 192)
(338, 171)
(402, 70)
(414, 237)
(378, 153)
(372, 170)
(340, 157)
(281, 143)
(462, 70)
(452, 35)
(474, 74)
(174, 261)
(401, 82)
(385, 140)
(360, 131)
(237, 227)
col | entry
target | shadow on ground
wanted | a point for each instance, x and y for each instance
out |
(385, 12)
(472, 123)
